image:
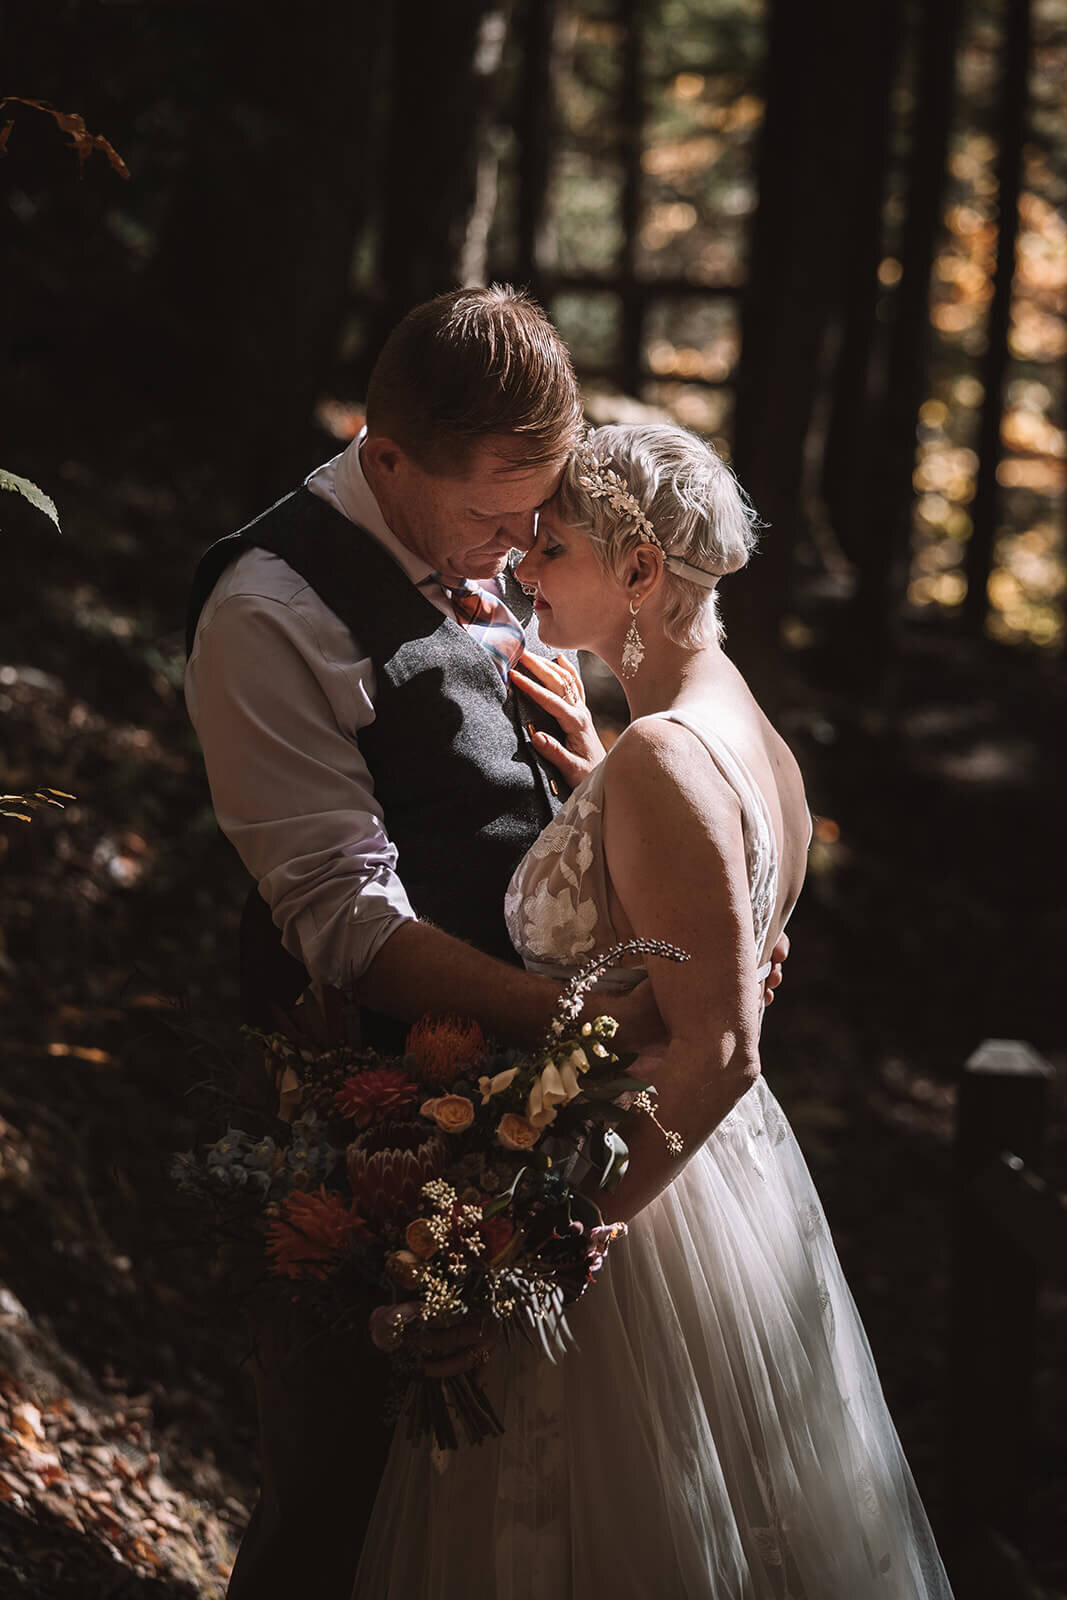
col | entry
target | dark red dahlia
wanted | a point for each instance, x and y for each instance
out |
(376, 1096)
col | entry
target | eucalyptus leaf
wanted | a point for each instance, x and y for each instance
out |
(29, 491)
(611, 1088)
(616, 1158)
(508, 1194)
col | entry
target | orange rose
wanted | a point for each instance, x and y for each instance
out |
(453, 1113)
(516, 1133)
(420, 1238)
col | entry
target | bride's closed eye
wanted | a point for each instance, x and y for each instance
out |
(546, 546)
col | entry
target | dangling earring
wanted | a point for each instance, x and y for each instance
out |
(633, 647)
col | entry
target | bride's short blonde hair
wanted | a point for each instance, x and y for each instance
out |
(699, 511)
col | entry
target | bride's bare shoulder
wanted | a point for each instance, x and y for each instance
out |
(659, 765)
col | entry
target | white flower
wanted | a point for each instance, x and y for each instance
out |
(556, 1086)
(488, 1087)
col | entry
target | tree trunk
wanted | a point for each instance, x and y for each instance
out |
(534, 132)
(631, 118)
(444, 65)
(256, 251)
(842, 486)
(809, 174)
(1013, 105)
(886, 559)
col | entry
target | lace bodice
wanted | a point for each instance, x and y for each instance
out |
(557, 901)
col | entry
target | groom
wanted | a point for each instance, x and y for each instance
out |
(380, 777)
(367, 754)
(374, 767)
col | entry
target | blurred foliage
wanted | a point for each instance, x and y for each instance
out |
(190, 97)
(702, 115)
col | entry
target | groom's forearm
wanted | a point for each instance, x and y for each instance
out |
(421, 971)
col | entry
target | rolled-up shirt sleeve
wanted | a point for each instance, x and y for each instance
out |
(278, 712)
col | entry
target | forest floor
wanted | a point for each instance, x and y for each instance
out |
(930, 922)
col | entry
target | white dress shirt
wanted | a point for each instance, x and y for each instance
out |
(278, 690)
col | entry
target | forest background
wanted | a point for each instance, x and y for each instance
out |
(831, 238)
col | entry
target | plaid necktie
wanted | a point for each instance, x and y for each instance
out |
(488, 619)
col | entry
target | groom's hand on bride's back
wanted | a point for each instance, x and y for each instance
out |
(779, 956)
(558, 689)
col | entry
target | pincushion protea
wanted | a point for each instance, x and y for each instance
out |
(445, 1048)
(387, 1167)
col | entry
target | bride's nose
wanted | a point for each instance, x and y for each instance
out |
(526, 570)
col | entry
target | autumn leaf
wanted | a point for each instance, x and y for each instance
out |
(32, 802)
(70, 123)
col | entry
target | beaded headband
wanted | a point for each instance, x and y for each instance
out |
(602, 482)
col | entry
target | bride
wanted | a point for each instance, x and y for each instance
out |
(719, 1433)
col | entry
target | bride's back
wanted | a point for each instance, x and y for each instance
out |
(718, 700)
(737, 716)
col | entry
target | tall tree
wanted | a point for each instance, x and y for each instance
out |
(892, 438)
(537, 36)
(810, 172)
(255, 254)
(1012, 134)
(854, 323)
(631, 15)
(444, 65)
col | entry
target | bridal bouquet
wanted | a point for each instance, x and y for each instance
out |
(442, 1187)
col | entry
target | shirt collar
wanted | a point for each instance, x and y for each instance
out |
(342, 482)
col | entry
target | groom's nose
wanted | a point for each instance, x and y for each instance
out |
(521, 529)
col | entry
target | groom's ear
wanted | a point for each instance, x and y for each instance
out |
(382, 454)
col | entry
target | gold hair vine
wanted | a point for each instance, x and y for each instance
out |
(600, 482)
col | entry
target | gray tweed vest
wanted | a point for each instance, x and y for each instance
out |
(462, 791)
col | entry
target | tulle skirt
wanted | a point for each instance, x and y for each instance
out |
(719, 1433)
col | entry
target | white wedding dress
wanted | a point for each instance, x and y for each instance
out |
(720, 1432)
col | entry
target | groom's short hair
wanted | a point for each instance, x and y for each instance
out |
(474, 364)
